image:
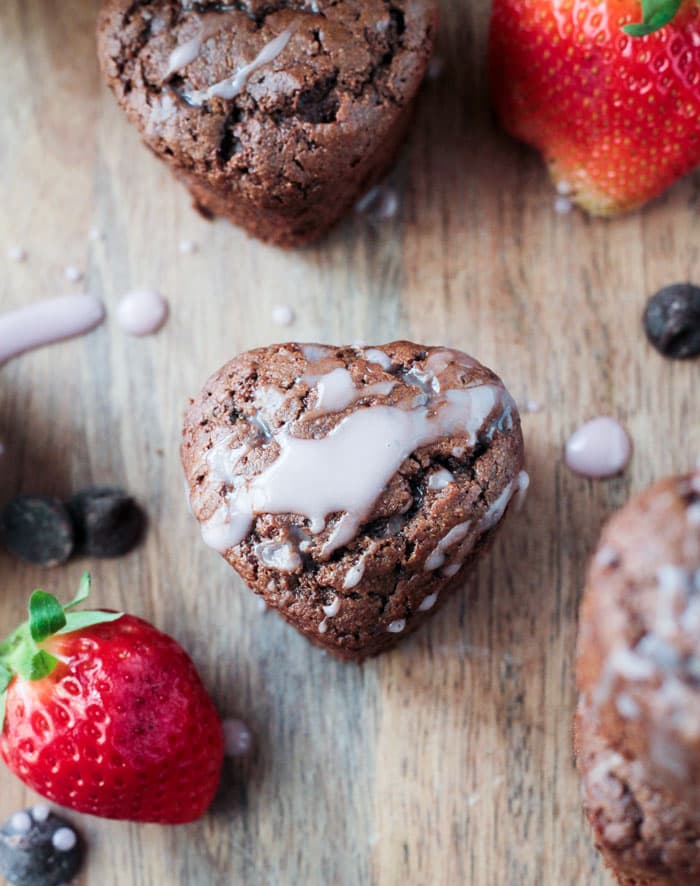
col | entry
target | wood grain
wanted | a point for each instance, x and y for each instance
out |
(448, 761)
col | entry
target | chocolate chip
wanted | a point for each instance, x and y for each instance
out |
(38, 530)
(672, 321)
(37, 848)
(108, 522)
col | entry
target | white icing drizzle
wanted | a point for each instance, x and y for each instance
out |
(184, 54)
(355, 574)
(375, 355)
(451, 570)
(496, 511)
(278, 555)
(350, 466)
(314, 353)
(161, 110)
(429, 602)
(627, 706)
(230, 87)
(329, 611)
(336, 390)
(398, 626)
(440, 479)
(438, 556)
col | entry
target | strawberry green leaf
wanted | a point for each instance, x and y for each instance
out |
(656, 14)
(5, 678)
(84, 589)
(76, 621)
(46, 616)
(43, 664)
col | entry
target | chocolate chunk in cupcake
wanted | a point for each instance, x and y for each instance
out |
(639, 645)
(647, 837)
(276, 115)
(352, 488)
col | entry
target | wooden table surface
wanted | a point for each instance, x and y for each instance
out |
(448, 761)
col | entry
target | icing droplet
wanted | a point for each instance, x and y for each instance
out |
(379, 204)
(17, 253)
(72, 274)
(396, 627)
(523, 488)
(45, 322)
(142, 312)
(598, 449)
(238, 739)
(188, 247)
(64, 839)
(562, 205)
(283, 315)
(436, 66)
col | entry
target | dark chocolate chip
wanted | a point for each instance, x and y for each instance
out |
(38, 530)
(108, 522)
(31, 854)
(672, 321)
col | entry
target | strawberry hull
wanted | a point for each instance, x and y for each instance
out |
(616, 117)
(123, 728)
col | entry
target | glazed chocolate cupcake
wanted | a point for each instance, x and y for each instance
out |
(351, 488)
(639, 676)
(276, 115)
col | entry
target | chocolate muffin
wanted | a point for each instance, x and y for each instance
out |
(639, 645)
(646, 836)
(277, 115)
(352, 488)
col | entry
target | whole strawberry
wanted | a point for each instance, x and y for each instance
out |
(607, 90)
(105, 714)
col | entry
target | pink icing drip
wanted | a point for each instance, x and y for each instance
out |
(46, 322)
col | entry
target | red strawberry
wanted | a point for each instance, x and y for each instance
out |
(107, 715)
(612, 102)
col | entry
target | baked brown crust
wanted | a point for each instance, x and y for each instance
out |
(646, 836)
(310, 130)
(639, 643)
(398, 584)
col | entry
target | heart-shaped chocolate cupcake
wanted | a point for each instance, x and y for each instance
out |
(352, 488)
(277, 114)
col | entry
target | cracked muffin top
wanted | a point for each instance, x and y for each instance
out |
(351, 481)
(250, 87)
